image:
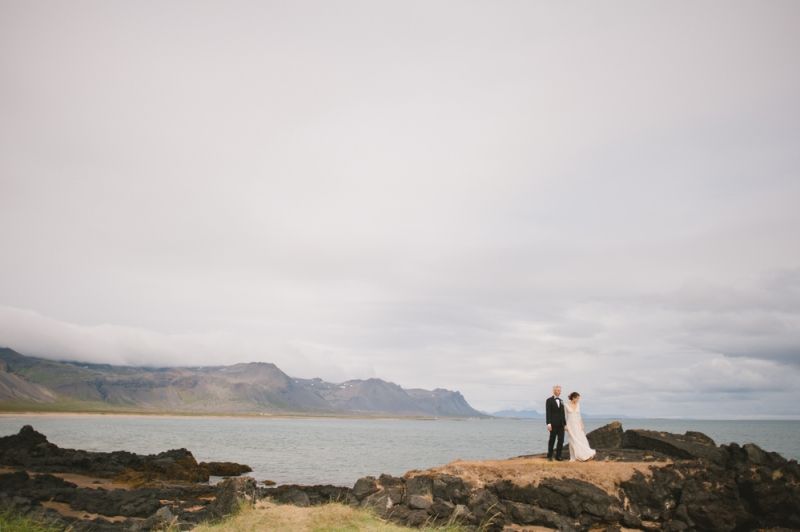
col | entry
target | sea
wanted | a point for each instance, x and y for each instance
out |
(340, 450)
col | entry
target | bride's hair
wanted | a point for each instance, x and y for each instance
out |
(573, 395)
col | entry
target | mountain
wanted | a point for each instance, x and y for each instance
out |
(257, 387)
(519, 414)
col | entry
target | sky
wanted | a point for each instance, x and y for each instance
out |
(492, 197)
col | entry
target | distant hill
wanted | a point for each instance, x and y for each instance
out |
(36, 383)
(519, 414)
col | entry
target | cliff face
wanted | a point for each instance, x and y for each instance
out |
(241, 388)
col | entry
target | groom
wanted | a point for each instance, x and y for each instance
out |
(556, 421)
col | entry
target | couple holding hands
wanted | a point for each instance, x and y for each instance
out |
(567, 416)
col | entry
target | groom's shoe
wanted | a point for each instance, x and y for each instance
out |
(549, 458)
(558, 458)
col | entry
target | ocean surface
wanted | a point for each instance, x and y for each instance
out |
(339, 451)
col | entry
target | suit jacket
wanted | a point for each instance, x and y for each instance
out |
(555, 415)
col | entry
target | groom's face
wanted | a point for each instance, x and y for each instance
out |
(557, 391)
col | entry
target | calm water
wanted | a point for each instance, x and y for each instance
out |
(338, 451)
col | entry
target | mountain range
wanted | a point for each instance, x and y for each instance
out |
(32, 383)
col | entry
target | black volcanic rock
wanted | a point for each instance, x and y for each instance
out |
(225, 469)
(230, 494)
(31, 450)
(301, 495)
(688, 445)
(693, 485)
(606, 437)
(700, 487)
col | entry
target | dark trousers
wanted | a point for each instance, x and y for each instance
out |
(557, 432)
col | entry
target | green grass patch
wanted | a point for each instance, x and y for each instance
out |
(13, 522)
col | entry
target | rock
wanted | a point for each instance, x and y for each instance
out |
(526, 514)
(450, 488)
(419, 502)
(420, 485)
(225, 469)
(441, 509)
(417, 518)
(162, 518)
(393, 487)
(31, 450)
(291, 495)
(301, 495)
(176, 464)
(231, 493)
(690, 445)
(486, 508)
(365, 486)
(566, 497)
(606, 437)
(378, 502)
(461, 514)
(389, 481)
(398, 514)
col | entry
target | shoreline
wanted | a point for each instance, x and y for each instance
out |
(174, 415)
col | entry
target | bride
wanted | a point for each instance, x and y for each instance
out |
(578, 444)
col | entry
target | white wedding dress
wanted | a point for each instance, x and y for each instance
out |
(578, 444)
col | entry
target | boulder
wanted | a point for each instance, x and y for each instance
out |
(417, 518)
(691, 445)
(365, 486)
(290, 495)
(31, 450)
(393, 487)
(420, 485)
(450, 488)
(606, 437)
(441, 509)
(419, 502)
(163, 518)
(231, 493)
(461, 514)
(302, 495)
(527, 514)
(487, 509)
(225, 469)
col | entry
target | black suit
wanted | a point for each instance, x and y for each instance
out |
(557, 420)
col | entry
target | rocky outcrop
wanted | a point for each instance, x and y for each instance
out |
(165, 489)
(225, 469)
(300, 495)
(231, 493)
(30, 450)
(117, 509)
(693, 485)
(678, 482)
(689, 445)
(606, 437)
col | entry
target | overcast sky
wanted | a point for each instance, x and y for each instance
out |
(483, 196)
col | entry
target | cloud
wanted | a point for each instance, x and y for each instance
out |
(487, 199)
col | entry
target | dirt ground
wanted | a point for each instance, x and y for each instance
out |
(531, 470)
(81, 481)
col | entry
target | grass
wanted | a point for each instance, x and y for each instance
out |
(12, 522)
(331, 517)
